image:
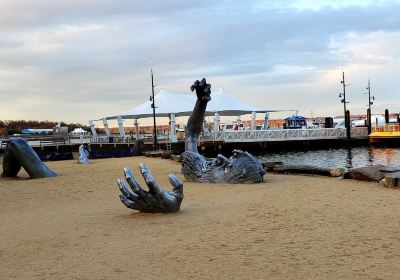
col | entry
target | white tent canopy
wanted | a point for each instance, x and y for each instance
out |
(168, 103)
(78, 131)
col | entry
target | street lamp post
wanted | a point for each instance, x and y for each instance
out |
(369, 96)
(369, 106)
(343, 96)
(153, 105)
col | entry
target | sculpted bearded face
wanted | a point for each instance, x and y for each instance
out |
(242, 167)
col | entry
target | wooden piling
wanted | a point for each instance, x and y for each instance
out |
(386, 116)
(348, 124)
(369, 124)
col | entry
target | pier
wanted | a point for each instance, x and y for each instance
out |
(51, 147)
(282, 135)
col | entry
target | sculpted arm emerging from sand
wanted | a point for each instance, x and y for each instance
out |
(156, 199)
(19, 154)
(195, 122)
(242, 167)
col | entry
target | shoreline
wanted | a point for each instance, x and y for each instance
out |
(290, 226)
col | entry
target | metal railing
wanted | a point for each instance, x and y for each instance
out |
(284, 134)
(387, 128)
(37, 141)
(219, 136)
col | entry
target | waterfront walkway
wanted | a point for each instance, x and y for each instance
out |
(241, 136)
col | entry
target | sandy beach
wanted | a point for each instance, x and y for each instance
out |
(290, 227)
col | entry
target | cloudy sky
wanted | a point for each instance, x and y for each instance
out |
(77, 60)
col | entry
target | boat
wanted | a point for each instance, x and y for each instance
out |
(387, 134)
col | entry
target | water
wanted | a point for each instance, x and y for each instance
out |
(339, 157)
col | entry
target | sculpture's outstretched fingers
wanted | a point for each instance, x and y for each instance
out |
(130, 178)
(208, 89)
(177, 185)
(124, 189)
(139, 201)
(128, 203)
(204, 86)
(149, 179)
(202, 83)
(195, 85)
(203, 90)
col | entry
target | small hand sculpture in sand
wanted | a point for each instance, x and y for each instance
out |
(156, 199)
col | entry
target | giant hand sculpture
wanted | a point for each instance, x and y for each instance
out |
(242, 167)
(19, 154)
(155, 200)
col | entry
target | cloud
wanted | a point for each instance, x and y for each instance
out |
(94, 57)
(25, 14)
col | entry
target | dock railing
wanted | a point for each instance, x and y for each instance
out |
(219, 136)
(37, 141)
(387, 128)
(284, 134)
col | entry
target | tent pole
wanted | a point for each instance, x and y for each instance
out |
(106, 129)
(92, 128)
(121, 126)
(136, 128)
(253, 120)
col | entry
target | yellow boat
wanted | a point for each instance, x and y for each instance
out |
(385, 134)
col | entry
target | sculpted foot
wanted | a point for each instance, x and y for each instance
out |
(19, 154)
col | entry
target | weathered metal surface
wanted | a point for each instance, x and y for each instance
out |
(242, 167)
(19, 154)
(156, 199)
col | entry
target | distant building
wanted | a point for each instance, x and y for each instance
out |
(295, 122)
(37, 131)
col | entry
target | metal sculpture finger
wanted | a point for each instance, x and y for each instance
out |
(156, 199)
(133, 183)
